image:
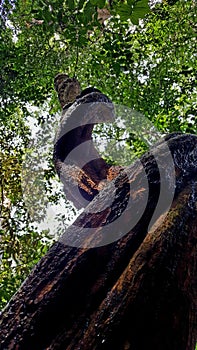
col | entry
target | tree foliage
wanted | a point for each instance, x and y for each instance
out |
(141, 56)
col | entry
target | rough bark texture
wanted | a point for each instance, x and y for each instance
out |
(140, 291)
(83, 182)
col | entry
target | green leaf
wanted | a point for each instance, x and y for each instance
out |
(80, 4)
(124, 11)
(140, 9)
(142, 6)
(101, 3)
(71, 4)
(131, 2)
(88, 12)
(133, 10)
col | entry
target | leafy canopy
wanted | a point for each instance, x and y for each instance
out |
(142, 57)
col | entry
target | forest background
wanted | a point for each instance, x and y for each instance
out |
(141, 54)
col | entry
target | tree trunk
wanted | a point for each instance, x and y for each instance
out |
(119, 284)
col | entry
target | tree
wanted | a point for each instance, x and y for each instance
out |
(37, 41)
(140, 290)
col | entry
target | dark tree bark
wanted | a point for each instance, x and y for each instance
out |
(139, 290)
(74, 146)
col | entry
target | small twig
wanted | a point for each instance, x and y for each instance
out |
(77, 55)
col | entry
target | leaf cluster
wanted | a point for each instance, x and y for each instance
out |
(147, 65)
